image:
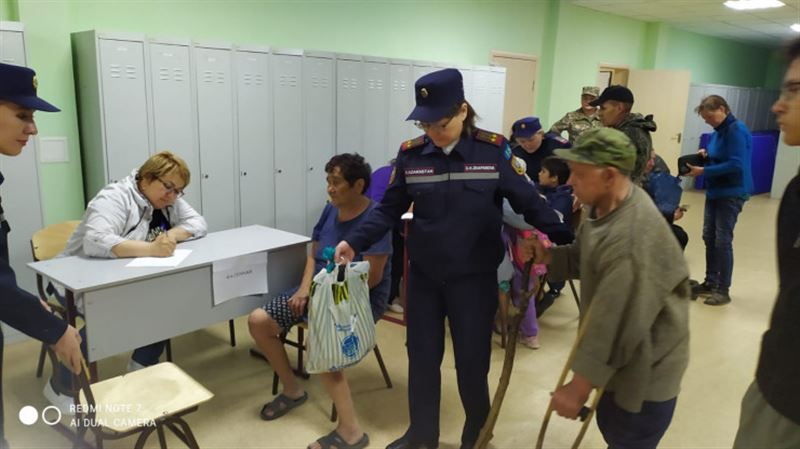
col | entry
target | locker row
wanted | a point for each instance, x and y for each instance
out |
(255, 125)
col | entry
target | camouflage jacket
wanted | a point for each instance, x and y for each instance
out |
(638, 129)
(575, 123)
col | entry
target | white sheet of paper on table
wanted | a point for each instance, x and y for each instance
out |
(239, 276)
(173, 261)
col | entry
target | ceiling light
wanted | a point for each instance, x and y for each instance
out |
(795, 27)
(753, 4)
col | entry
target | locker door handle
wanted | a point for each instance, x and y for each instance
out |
(244, 173)
(280, 171)
(310, 168)
(205, 176)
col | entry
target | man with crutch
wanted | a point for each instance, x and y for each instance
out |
(633, 341)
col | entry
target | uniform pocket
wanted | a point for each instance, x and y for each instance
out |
(481, 190)
(428, 200)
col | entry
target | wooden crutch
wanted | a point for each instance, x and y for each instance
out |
(586, 413)
(517, 314)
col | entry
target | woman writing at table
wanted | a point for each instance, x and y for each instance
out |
(141, 215)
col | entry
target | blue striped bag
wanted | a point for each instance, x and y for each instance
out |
(341, 330)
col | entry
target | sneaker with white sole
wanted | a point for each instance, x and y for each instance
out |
(63, 402)
(133, 365)
(396, 307)
(531, 342)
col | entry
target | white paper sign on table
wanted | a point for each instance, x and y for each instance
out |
(172, 261)
(239, 276)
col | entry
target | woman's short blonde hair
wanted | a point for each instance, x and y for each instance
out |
(163, 163)
(712, 103)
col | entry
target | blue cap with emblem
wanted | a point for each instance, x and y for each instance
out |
(526, 127)
(18, 85)
(437, 93)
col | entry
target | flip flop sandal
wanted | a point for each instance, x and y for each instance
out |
(334, 440)
(280, 406)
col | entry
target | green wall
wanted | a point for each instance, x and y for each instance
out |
(713, 60)
(8, 10)
(570, 42)
(584, 40)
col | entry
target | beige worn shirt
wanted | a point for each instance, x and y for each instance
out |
(634, 302)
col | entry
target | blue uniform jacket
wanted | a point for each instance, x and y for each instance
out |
(457, 205)
(18, 308)
(550, 142)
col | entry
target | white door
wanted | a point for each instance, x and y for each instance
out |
(320, 131)
(520, 91)
(663, 93)
(290, 165)
(256, 151)
(124, 107)
(174, 125)
(219, 181)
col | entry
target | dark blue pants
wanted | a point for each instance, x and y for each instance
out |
(469, 304)
(718, 222)
(625, 430)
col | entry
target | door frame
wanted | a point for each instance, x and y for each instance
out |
(524, 57)
(619, 72)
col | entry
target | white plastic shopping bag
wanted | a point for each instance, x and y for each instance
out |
(341, 330)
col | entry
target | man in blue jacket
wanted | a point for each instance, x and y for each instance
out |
(18, 308)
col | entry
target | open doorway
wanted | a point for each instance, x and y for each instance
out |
(609, 74)
(521, 74)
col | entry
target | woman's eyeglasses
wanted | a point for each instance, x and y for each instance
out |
(425, 126)
(170, 188)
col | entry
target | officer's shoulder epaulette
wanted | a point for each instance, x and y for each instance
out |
(558, 138)
(489, 137)
(414, 143)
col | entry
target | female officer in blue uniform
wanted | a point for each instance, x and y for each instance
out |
(18, 308)
(456, 176)
(532, 145)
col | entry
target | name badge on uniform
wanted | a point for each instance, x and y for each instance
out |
(480, 168)
(418, 171)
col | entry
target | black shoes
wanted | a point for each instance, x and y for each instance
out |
(404, 443)
(698, 289)
(717, 299)
(547, 300)
(714, 296)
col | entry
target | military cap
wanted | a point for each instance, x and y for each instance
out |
(591, 90)
(526, 127)
(617, 93)
(437, 93)
(602, 146)
(18, 85)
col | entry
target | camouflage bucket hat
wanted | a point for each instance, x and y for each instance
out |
(602, 146)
